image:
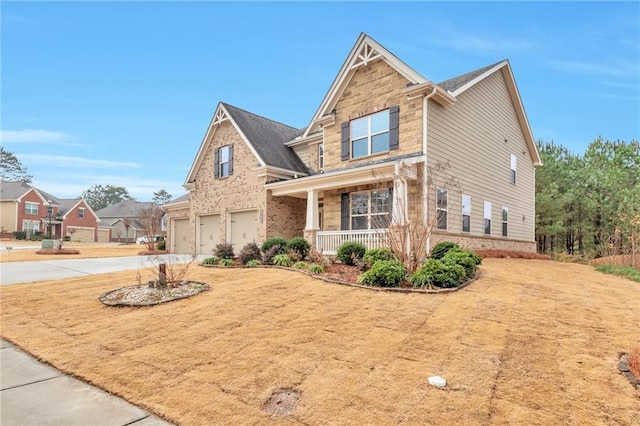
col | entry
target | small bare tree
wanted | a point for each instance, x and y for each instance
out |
(171, 269)
(150, 219)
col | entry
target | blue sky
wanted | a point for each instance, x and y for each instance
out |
(121, 93)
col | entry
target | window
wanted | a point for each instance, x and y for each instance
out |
(81, 213)
(487, 217)
(505, 221)
(466, 213)
(31, 226)
(514, 161)
(370, 134)
(370, 209)
(223, 162)
(321, 156)
(30, 208)
(442, 198)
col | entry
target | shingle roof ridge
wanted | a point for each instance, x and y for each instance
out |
(227, 105)
(458, 81)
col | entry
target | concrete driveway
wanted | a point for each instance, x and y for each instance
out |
(45, 270)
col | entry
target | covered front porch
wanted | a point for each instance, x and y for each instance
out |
(357, 204)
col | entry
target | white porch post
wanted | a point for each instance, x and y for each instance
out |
(312, 210)
(399, 209)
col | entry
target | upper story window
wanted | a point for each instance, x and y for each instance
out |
(321, 156)
(30, 208)
(442, 197)
(466, 213)
(367, 210)
(372, 134)
(514, 162)
(81, 212)
(223, 161)
(487, 217)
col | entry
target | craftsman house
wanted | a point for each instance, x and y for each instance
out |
(386, 148)
(29, 209)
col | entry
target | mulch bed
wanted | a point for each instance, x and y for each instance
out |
(58, 251)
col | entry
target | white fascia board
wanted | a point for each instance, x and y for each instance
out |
(174, 206)
(441, 96)
(302, 141)
(277, 172)
(203, 147)
(244, 138)
(479, 78)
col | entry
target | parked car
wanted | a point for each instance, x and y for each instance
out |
(146, 239)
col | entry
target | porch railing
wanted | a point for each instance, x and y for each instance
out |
(327, 242)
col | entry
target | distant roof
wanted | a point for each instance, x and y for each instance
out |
(126, 208)
(67, 204)
(13, 190)
(455, 83)
(268, 138)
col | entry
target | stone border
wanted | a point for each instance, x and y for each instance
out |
(365, 287)
(623, 367)
(102, 298)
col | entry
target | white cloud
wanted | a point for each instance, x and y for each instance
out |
(63, 161)
(446, 34)
(620, 68)
(37, 136)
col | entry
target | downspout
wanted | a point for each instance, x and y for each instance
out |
(425, 180)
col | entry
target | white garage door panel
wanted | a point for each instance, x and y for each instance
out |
(244, 228)
(181, 242)
(103, 235)
(80, 234)
(209, 233)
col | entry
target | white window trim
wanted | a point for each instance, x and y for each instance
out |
(441, 209)
(31, 203)
(505, 222)
(487, 216)
(221, 163)
(369, 215)
(81, 212)
(369, 135)
(466, 211)
(514, 163)
(321, 156)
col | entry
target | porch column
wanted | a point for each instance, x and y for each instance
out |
(400, 209)
(312, 226)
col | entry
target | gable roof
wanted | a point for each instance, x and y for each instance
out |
(13, 191)
(264, 137)
(126, 208)
(453, 84)
(68, 204)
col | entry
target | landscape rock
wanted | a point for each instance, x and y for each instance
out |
(623, 364)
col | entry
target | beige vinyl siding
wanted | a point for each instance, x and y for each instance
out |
(8, 216)
(303, 152)
(471, 135)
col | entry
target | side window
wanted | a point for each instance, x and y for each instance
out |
(223, 162)
(321, 156)
(466, 213)
(514, 164)
(81, 213)
(505, 221)
(372, 134)
(442, 203)
(487, 217)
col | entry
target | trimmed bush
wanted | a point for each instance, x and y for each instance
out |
(224, 251)
(372, 256)
(162, 245)
(300, 265)
(350, 252)
(316, 268)
(281, 260)
(274, 241)
(384, 273)
(442, 248)
(249, 252)
(299, 245)
(267, 256)
(463, 258)
(210, 261)
(20, 235)
(438, 273)
(226, 262)
(252, 263)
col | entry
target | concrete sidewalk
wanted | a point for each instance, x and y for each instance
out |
(32, 393)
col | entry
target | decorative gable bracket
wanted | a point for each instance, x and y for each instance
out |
(364, 56)
(220, 117)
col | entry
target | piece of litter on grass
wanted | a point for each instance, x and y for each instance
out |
(437, 381)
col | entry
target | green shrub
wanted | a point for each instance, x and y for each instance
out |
(299, 245)
(162, 245)
(350, 252)
(384, 273)
(224, 251)
(282, 260)
(463, 258)
(210, 261)
(252, 263)
(316, 268)
(300, 265)
(68, 238)
(226, 262)
(249, 252)
(372, 256)
(274, 241)
(438, 273)
(267, 256)
(442, 248)
(20, 235)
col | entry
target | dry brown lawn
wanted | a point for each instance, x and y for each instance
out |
(531, 342)
(86, 251)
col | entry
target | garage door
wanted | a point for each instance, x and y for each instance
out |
(244, 228)
(180, 237)
(103, 235)
(209, 233)
(80, 234)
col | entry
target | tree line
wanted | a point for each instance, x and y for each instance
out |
(589, 204)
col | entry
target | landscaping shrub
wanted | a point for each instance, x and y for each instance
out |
(350, 252)
(274, 241)
(20, 235)
(252, 263)
(316, 268)
(622, 271)
(267, 256)
(372, 256)
(281, 260)
(224, 251)
(249, 252)
(300, 265)
(210, 261)
(442, 248)
(438, 273)
(384, 273)
(464, 258)
(162, 245)
(226, 262)
(299, 245)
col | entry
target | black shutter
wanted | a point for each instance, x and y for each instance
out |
(394, 123)
(230, 159)
(345, 141)
(216, 163)
(344, 212)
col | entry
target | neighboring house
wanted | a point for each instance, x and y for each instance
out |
(130, 219)
(25, 208)
(384, 146)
